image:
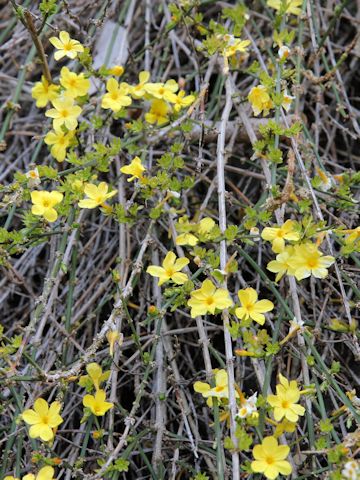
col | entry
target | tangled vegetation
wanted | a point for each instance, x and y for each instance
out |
(180, 240)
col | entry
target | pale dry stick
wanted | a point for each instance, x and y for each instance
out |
(176, 453)
(220, 162)
(147, 60)
(109, 324)
(159, 387)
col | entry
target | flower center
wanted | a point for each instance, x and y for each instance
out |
(170, 272)
(114, 96)
(312, 262)
(209, 300)
(270, 460)
(285, 404)
(161, 91)
(45, 419)
(67, 46)
(64, 113)
(46, 204)
(99, 199)
(219, 388)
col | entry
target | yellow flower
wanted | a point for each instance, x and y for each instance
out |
(207, 299)
(205, 225)
(113, 337)
(44, 203)
(95, 375)
(251, 307)
(308, 260)
(285, 402)
(292, 6)
(44, 92)
(158, 112)
(135, 169)
(65, 112)
(181, 101)
(163, 91)
(353, 237)
(186, 239)
(235, 45)
(97, 404)
(260, 100)
(282, 263)
(116, 70)
(10, 477)
(221, 389)
(66, 46)
(270, 458)
(278, 235)
(98, 194)
(138, 91)
(75, 85)
(117, 96)
(43, 419)
(45, 473)
(59, 141)
(170, 270)
(284, 426)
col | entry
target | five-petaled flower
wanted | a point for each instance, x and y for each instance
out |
(270, 459)
(208, 298)
(76, 85)
(309, 260)
(278, 235)
(251, 307)
(66, 46)
(44, 92)
(135, 169)
(285, 402)
(163, 91)
(260, 100)
(282, 264)
(138, 91)
(94, 377)
(181, 100)
(44, 203)
(97, 195)
(220, 391)
(170, 270)
(117, 96)
(59, 142)
(235, 45)
(97, 403)
(43, 419)
(65, 112)
(158, 113)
